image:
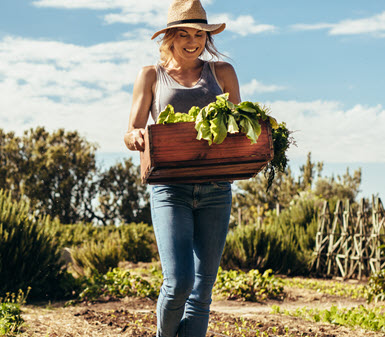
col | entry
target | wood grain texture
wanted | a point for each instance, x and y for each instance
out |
(173, 154)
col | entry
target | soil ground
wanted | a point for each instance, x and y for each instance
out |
(136, 317)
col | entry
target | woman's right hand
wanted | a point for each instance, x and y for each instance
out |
(134, 139)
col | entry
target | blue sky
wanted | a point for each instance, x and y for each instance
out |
(318, 65)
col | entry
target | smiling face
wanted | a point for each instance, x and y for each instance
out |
(189, 43)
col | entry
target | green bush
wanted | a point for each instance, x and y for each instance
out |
(248, 247)
(75, 234)
(10, 313)
(103, 248)
(96, 257)
(376, 287)
(138, 242)
(28, 253)
(252, 286)
(284, 243)
(119, 283)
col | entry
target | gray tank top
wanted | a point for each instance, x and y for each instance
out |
(169, 91)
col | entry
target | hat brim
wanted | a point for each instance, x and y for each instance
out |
(213, 29)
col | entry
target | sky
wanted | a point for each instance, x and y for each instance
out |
(319, 66)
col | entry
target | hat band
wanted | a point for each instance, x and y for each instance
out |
(187, 21)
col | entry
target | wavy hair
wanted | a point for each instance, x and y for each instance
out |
(166, 47)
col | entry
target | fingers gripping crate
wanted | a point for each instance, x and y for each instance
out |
(173, 155)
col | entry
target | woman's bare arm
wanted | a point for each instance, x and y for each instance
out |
(228, 80)
(141, 104)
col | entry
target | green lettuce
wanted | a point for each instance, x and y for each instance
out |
(168, 115)
(214, 121)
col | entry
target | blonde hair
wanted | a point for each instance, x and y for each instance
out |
(166, 47)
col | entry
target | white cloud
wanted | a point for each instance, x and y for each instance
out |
(334, 134)
(60, 85)
(316, 26)
(154, 13)
(372, 25)
(243, 24)
(256, 87)
(103, 4)
(133, 5)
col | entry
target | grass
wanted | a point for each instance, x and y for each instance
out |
(361, 316)
(11, 321)
(326, 287)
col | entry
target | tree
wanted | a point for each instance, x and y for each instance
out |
(121, 195)
(342, 187)
(10, 162)
(252, 199)
(55, 171)
(307, 171)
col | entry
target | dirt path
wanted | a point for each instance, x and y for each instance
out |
(136, 317)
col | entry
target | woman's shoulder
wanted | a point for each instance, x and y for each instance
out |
(147, 75)
(224, 69)
(222, 65)
(148, 71)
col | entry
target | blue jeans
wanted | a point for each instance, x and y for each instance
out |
(190, 223)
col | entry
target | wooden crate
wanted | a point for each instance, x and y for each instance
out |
(173, 155)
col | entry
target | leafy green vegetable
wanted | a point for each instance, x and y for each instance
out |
(214, 121)
(168, 115)
(232, 126)
(281, 142)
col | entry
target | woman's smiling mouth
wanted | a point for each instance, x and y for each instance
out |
(191, 50)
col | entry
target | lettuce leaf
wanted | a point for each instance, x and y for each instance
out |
(218, 128)
(204, 132)
(165, 114)
(168, 115)
(250, 127)
(232, 126)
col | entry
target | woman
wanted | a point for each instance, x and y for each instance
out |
(190, 220)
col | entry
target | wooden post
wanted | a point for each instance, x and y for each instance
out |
(345, 242)
(322, 240)
(359, 259)
(239, 216)
(377, 236)
(334, 242)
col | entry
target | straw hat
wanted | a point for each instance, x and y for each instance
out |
(189, 13)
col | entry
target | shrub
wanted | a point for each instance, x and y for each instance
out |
(248, 247)
(74, 234)
(28, 253)
(376, 287)
(104, 247)
(10, 318)
(118, 283)
(252, 286)
(96, 257)
(138, 242)
(284, 243)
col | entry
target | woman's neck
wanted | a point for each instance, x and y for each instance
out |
(183, 65)
(186, 73)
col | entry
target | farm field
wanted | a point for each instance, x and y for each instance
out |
(134, 316)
